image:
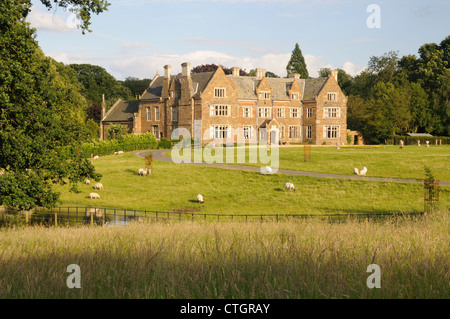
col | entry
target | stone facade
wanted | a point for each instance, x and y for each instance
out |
(298, 110)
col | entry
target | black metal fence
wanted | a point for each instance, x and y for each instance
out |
(72, 216)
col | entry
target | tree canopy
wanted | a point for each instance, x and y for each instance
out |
(41, 116)
(297, 63)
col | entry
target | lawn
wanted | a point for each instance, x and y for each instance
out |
(174, 187)
(383, 161)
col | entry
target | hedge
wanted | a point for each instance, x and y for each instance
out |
(412, 140)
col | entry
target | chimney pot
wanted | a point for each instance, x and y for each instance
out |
(334, 73)
(186, 69)
(167, 69)
(236, 71)
(260, 73)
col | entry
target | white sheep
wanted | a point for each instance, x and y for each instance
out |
(418, 142)
(428, 143)
(87, 182)
(266, 170)
(143, 172)
(116, 153)
(200, 198)
(94, 196)
(120, 152)
(402, 144)
(98, 186)
(289, 187)
(96, 157)
(356, 171)
(363, 171)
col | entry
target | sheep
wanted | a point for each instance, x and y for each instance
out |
(289, 187)
(428, 143)
(120, 152)
(96, 157)
(87, 182)
(98, 186)
(402, 144)
(266, 170)
(356, 171)
(418, 142)
(116, 153)
(94, 196)
(200, 199)
(143, 172)
(363, 171)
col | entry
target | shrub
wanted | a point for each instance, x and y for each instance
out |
(164, 144)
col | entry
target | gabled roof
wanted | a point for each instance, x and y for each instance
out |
(122, 111)
(313, 87)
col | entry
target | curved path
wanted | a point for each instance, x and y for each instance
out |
(159, 155)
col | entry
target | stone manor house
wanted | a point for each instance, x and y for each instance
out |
(299, 110)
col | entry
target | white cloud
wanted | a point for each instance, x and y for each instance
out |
(147, 66)
(49, 21)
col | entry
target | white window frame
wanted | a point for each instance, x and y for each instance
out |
(264, 95)
(292, 113)
(332, 96)
(264, 112)
(248, 132)
(280, 112)
(149, 113)
(220, 110)
(331, 131)
(294, 131)
(220, 92)
(332, 112)
(246, 111)
(157, 113)
(219, 131)
(174, 114)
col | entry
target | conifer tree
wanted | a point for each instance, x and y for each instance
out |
(297, 63)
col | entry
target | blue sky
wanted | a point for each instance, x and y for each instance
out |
(137, 38)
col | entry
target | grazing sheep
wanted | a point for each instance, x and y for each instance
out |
(402, 144)
(363, 171)
(428, 143)
(116, 153)
(356, 171)
(96, 157)
(98, 186)
(120, 152)
(143, 172)
(94, 196)
(200, 199)
(87, 182)
(418, 142)
(289, 187)
(266, 170)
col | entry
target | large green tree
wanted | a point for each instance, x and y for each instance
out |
(41, 115)
(297, 63)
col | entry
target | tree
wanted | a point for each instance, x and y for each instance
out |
(136, 85)
(213, 67)
(41, 117)
(297, 63)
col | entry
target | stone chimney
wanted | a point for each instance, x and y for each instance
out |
(103, 106)
(260, 73)
(236, 71)
(294, 76)
(186, 69)
(334, 73)
(167, 69)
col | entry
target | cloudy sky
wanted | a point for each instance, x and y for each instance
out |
(138, 37)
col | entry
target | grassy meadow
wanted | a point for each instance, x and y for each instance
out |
(296, 259)
(383, 161)
(174, 187)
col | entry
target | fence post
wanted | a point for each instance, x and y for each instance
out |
(92, 219)
(56, 219)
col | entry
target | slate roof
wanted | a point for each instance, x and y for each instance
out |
(122, 111)
(312, 88)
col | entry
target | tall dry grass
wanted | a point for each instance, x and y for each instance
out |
(294, 259)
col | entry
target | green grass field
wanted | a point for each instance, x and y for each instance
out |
(174, 187)
(297, 259)
(384, 161)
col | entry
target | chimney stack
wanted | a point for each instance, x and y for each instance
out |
(334, 73)
(236, 71)
(103, 106)
(167, 69)
(260, 73)
(186, 69)
(294, 75)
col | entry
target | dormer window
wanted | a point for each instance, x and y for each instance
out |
(264, 95)
(331, 97)
(219, 92)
